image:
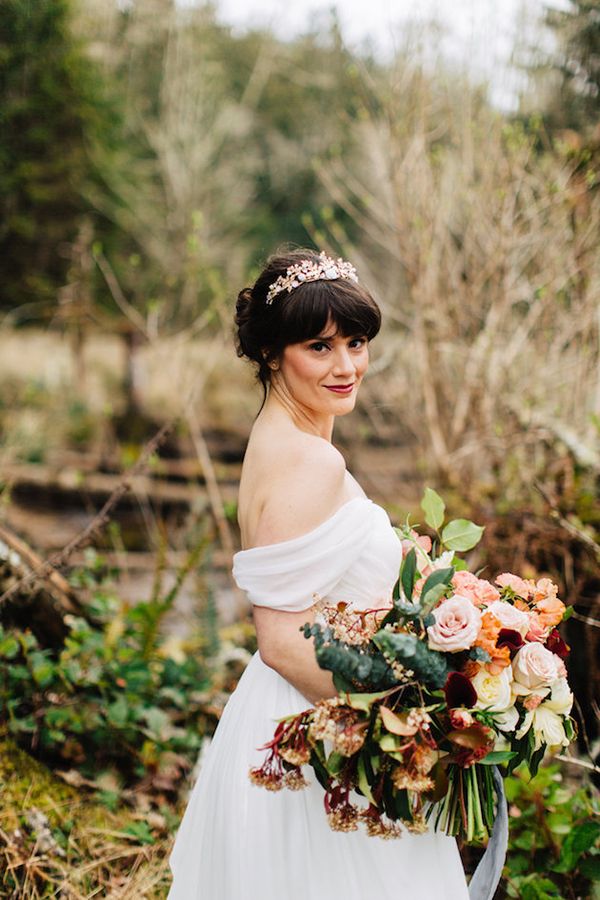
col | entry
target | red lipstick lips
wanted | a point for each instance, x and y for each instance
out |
(340, 388)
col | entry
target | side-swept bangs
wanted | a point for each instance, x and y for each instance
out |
(312, 307)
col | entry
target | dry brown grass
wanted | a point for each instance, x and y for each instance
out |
(74, 847)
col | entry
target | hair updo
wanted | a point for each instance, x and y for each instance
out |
(264, 330)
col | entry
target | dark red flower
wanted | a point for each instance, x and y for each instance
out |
(508, 637)
(459, 691)
(556, 644)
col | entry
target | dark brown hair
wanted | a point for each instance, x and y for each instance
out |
(264, 330)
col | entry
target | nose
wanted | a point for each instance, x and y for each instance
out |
(343, 364)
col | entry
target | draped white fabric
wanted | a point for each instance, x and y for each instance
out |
(241, 842)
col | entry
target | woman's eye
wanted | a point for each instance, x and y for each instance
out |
(318, 346)
(358, 342)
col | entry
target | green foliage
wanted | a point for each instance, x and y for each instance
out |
(461, 535)
(352, 667)
(429, 666)
(111, 696)
(554, 834)
(51, 108)
(434, 507)
(577, 28)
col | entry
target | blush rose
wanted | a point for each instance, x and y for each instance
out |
(510, 616)
(457, 624)
(534, 666)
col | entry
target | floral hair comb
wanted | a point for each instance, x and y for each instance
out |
(326, 268)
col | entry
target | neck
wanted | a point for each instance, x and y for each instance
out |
(279, 402)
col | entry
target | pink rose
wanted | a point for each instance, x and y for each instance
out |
(534, 666)
(518, 585)
(537, 630)
(479, 591)
(457, 624)
(510, 617)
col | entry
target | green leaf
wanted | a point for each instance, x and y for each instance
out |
(390, 743)
(363, 781)
(408, 574)
(580, 839)
(117, 712)
(433, 506)
(335, 762)
(9, 646)
(435, 587)
(568, 613)
(461, 535)
(364, 702)
(539, 889)
(496, 757)
(141, 831)
(590, 868)
(43, 672)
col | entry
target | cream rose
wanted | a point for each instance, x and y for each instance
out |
(534, 666)
(548, 728)
(510, 617)
(493, 691)
(561, 698)
(506, 721)
(457, 624)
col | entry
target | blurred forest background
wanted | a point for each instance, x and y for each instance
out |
(151, 157)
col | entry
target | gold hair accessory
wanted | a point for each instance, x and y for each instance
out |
(326, 268)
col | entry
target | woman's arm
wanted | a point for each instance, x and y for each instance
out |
(283, 647)
(305, 489)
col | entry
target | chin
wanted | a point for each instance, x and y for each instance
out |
(344, 407)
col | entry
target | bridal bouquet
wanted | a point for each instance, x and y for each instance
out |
(459, 675)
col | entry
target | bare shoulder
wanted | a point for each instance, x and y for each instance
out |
(300, 483)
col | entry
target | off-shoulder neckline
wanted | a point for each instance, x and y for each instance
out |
(301, 537)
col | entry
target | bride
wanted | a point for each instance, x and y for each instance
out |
(307, 530)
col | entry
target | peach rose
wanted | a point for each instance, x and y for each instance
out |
(534, 666)
(550, 611)
(487, 638)
(544, 587)
(457, 624)
(510, 616)
(479, 591)
(518, 585)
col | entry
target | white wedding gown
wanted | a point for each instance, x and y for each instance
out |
(238, 841)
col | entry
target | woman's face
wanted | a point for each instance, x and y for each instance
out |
(322, 375)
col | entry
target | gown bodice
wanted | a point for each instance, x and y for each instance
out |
(353, 556)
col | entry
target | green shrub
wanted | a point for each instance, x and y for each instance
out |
(118, 694)
(554, 832)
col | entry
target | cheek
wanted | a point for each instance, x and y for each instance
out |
(362, 364)
(300, 367)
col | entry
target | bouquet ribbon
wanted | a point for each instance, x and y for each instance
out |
(487, 875)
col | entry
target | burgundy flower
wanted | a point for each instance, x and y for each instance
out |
(508, 637)
(459, 691)
(556, 644)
